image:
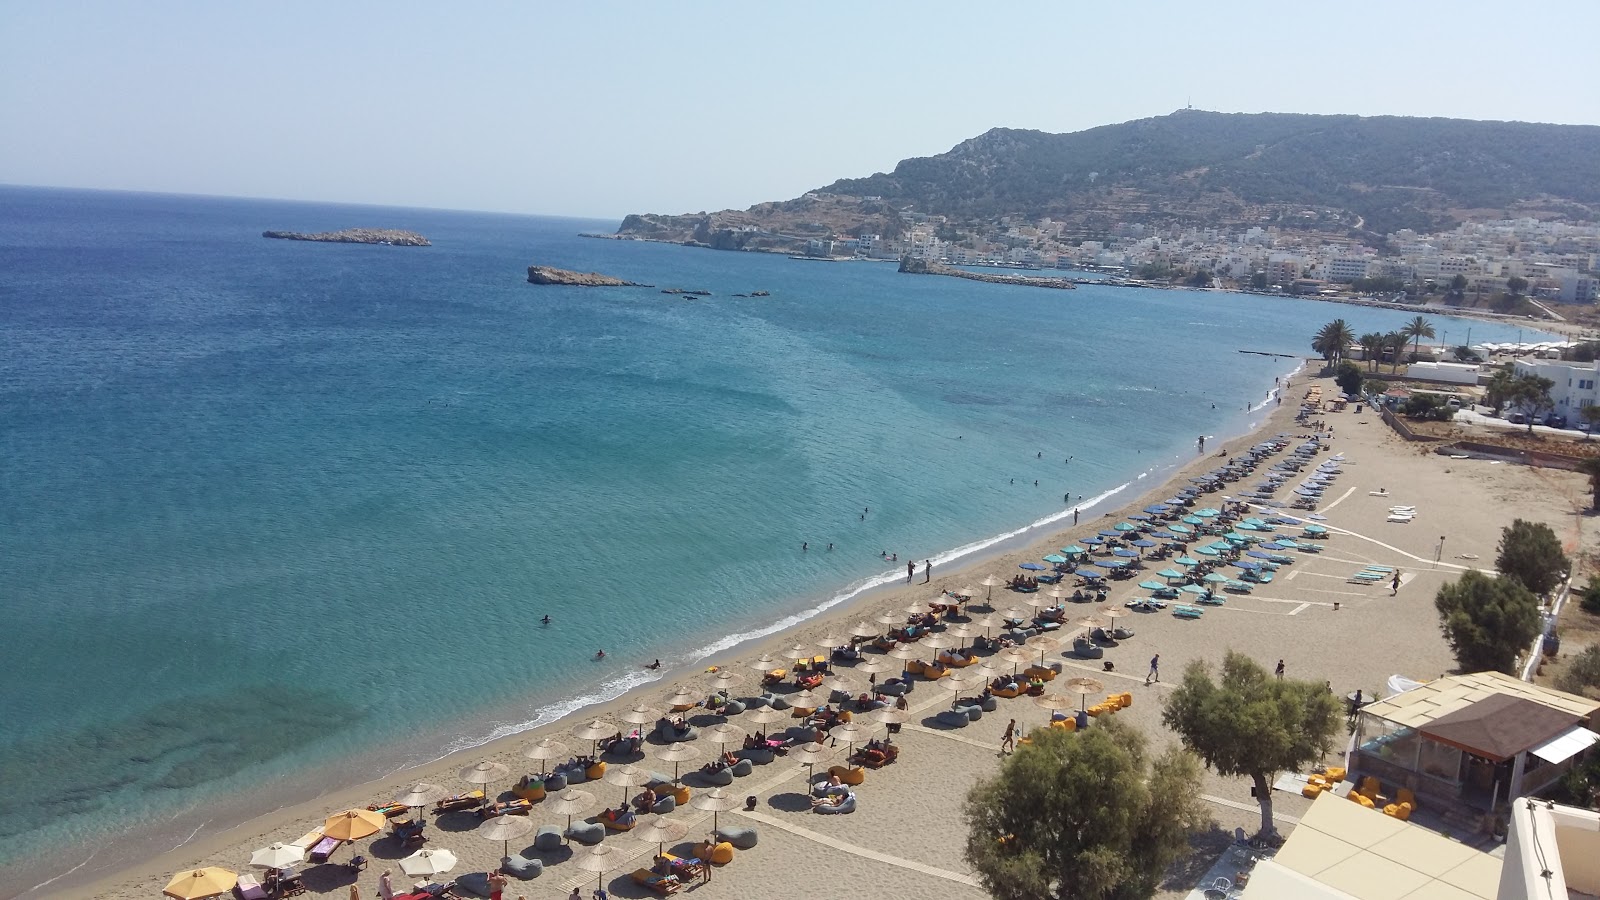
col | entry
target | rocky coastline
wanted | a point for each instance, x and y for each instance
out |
(552, 275)
(924, 267)
(391, 236)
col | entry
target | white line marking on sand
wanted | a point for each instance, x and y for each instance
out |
(835, 843)
(1342, 497)
(1299, 609)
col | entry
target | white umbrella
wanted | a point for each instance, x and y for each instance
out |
(428, 861)
(797, 652)
(277, 856)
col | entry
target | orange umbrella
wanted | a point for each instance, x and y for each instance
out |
(208, 882)
(353, 825)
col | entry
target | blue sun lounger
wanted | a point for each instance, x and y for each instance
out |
(1184, 611)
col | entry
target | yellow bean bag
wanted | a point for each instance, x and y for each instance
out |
(1065, 724)
(1042, 673)
(1311, 790)
(851, 775)
(533, 791)
(1008, 693)
(915, 666)
(681, 795)
(721, 854)
(1335, 774)
(934, 673)
(1127, 700)
(597, 770)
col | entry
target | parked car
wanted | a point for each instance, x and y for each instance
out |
(1517, 419)
(1555, 421)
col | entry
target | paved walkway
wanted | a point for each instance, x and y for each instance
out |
(835, 843)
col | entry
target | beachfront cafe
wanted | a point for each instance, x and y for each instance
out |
(1468, 744)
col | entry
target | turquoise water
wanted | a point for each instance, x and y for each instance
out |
(285, 514)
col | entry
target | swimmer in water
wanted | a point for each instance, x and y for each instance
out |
(599, 654)
(654, 665)
(545, 620)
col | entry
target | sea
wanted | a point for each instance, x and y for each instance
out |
(279, 516)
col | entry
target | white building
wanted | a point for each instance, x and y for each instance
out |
(1345, 269)
(1573, 384)
(1577, 288)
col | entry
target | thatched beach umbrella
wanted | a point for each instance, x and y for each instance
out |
(892, 619)
(660, 829)
(1043, 645)
(766, 662)
(797, 652)
(723, 680)
(681, 697)
(865, 630)
(987, 623)
(991, 582)
(570, 802)
(594, 730)
(888, 715)
(1084, 687)
(725, 733)
(807, 699)
(809, 756)
(715, 801)
(421, 795)
(194, 884)
(851, 733)
(503, 829)
(544, 751)
(766, 715)
(938, 640)
(625, 776)
(603, 858)
(964, 683)
(640, 714)
(676, 754)
(485, 773)
(831, 640)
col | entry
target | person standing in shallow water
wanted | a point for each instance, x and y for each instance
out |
(911, 570)
(927, 570)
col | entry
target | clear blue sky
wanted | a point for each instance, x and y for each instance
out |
(591, 108)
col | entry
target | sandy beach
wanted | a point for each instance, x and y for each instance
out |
(906, 836)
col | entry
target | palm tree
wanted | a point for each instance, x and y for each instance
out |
(1332, 340)
(1395, 341)
(1591, 468)
(1417, 329)
(1372, 348)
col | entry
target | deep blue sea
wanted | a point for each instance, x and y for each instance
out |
(279, 515)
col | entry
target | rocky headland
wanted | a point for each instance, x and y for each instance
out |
(355, 236)
(924, 267)
(552, 275)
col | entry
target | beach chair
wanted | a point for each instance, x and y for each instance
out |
(1185, 611)
(250, 888)
(468, 800)
(323, 849)
(308, 840)
(660, 884)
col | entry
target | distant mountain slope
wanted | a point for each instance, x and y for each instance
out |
(1211, 168)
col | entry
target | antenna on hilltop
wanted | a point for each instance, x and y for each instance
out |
(1190, 101)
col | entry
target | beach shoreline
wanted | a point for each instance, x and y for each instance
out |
(832, 614)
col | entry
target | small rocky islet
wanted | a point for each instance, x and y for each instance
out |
(391, 236)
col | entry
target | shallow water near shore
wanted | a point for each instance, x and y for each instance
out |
(273, 508)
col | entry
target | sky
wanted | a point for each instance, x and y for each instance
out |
(604, 108)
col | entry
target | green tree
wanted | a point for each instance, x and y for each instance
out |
(1417, 329)
(1516, 285)
(1530, 553)
(1497, 393)
(1591, 415)
(1083, 815)
(1458, 289)
(1530, 394)
(1487, 620)
(1251, 723)
(1396, 342)
(1591, 468)
(1589, 596)
(1580, 672)
(1428, 408)
(1258, 281)
(1376, 386)
(1333, 340)
(1348, 377)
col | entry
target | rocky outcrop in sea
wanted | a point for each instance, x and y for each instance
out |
(355, 236)
(552, 275)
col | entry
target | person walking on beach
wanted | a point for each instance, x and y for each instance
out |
(911, 570)
(386, 885)
(1074, 517)
(1279, 670)
(1394, 586)
(1008, 742)
(497, 885)
(927, 570)
(1155, 670)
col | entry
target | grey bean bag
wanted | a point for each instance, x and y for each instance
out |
(474, 883)
(719, 778)
(840, 697)
(741, 838)
(657, 781)
(521, 867)
(547, 838)
(665, 804)
(732, 708)
(575, 775)
(805, 734)
(990, 703)
(848, 806)
(892, 690)
(973, 712)
(590, 833)
(555, 781)
(953, 719)
(775, 701)
(1087, 649)
(758, 702)
(742, 768)
(670, 735)
(760, 755)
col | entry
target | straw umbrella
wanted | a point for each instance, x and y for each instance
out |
(353, 824)
(766, 662)
(570, 802)
(939, 640)
(865, 630)
(1053, 702)
(594, 730)
(797, 652)
(485, 773)
(503, 829)
(1016, 656)
(715, 801)
(639, 714)
(659, 830)
(420, 796)
(851, 733)
(872, 666)
(277, 856)
(602, 859)
(766, 715)
(891, 619)
(682, 697)
(1015, 613)
(1084, 687)
(905, 653)
(544, 751)
(196, 883)
(724, 680)
(1058, 593)
(987, 623)
(1043, 645)
(725, 733)
(809, 756)
(962, 631)
(990, 582)
(807, 700)
(428, 861)
(836, 683)
(831, 640)
(1090, 623)
(676, 754)
(888, 715)
(626, 776)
